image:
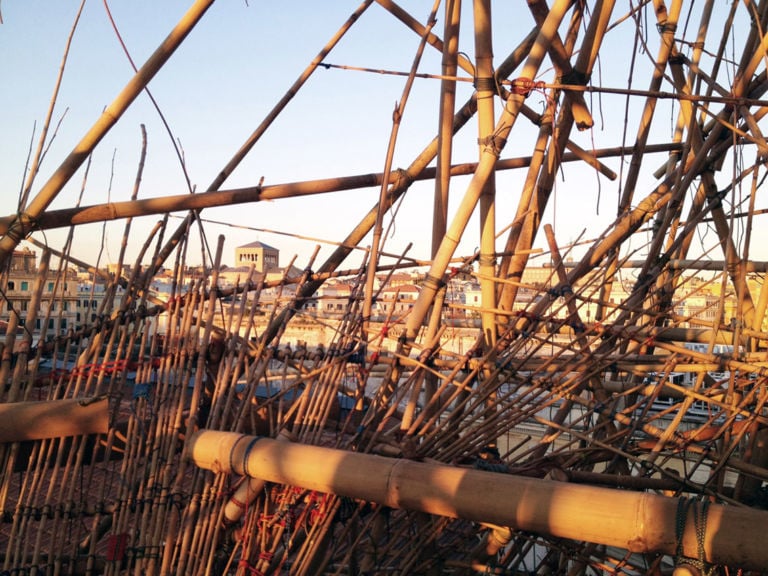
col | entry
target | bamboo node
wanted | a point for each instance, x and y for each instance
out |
(493, 144)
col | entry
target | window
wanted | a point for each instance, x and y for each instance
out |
(11, 285)
(50, 286)
(24, 285)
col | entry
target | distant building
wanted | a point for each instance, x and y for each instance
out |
(263, 256)
(58, 308)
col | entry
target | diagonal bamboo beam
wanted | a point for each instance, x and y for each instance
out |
(24, 222)
(482, 174)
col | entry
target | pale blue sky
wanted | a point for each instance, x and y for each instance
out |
(229, 73)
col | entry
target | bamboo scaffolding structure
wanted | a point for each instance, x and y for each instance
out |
(476, 427)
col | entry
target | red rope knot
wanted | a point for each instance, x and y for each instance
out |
(266, 519)
(650, 341)
(266, 555)
(250, 569)
(524, 86)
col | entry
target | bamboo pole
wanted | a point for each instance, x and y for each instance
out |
(485, 86)
(668, 24)
(378, 228)
(53, 419)
(484, 169)
(51, 219)
(639, 522)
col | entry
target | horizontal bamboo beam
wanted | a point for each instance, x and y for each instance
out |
(53, 419)
(182, 202)
(751, 266)
(638, 521)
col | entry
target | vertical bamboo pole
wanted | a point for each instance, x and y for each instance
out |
(482, 173)
(486, 90)
(444, 156)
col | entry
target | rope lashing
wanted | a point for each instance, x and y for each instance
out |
(700, 525)
(524, 86)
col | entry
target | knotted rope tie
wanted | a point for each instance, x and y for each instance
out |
(524, 86)
(700, 525)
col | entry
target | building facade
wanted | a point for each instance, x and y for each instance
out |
(263, 256)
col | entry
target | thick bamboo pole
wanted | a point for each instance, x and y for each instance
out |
(485, 85)
(24, 223)
(639, 522)
(53, 419)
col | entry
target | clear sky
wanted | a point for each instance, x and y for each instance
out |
(236, 64)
